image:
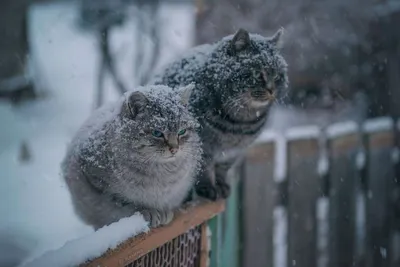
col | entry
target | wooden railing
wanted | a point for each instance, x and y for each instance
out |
(182, 243)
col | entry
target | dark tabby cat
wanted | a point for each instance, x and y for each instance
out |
(237, 79)
(140, 154)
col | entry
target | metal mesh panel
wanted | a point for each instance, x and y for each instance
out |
(183, 251)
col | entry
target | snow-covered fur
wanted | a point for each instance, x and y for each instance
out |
(236, 81)
(139, 154)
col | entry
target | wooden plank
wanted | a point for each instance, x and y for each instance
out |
(230, 255)
(138, 246)
(304, 189)
(380, 176)
(259, 193)
(395, 259)
(216, 240)
(203, 246)
(342, 207)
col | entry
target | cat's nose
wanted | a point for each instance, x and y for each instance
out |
(173, 150)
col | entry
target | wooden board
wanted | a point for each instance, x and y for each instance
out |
(380, 176)
(304, 190)
(344, 183)
(138, 246)
(259, 194)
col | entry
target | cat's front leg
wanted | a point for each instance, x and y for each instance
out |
(205, 183)
(211, 182)
(158, 218)
(221, 173)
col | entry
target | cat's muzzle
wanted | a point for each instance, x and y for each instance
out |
(262, 96)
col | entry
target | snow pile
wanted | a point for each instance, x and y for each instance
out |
(266, 136)
(94, 245)
(341, 128)
(303, 132)
(378, 124)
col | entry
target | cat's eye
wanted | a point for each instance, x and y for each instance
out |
(182, 132)
(276, 77)
(157, 133)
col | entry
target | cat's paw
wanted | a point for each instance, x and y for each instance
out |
(158, 218)
(224, 189)
(220, 190)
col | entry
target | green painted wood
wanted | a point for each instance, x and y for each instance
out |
(230, 252)
(215, 225)
(225, 228)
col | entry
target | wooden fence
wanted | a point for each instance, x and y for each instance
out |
(309, 197)
(315, 197)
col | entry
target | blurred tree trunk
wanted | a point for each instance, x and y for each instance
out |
(147, 24)
(13, 50)
(15, 84)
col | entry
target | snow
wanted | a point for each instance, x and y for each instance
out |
(37, 213)
(266, 136)
(280, 170)
(395, 155)
(361, 159)
(360, 221)
(88, 247)
(280, 233)
(303, 132)
(378, 124)
(323, 231)
(323, 164)
(341, 128)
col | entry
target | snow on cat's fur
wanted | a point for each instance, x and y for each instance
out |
(138, 154)
(236, 81)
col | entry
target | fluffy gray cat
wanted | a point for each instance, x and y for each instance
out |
(140, 154)
(237, 80)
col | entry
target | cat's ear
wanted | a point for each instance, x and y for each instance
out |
(185, 93)
(276, 39)
(136, 102)
(240, 41)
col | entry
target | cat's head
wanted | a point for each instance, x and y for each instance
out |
(160, 125)
(251, 69)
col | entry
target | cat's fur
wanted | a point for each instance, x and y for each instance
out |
(115, 166)
(237, 80)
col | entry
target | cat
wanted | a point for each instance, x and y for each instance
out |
(237, 79)
(140, 154)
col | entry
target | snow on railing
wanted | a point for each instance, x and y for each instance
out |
(128, 240)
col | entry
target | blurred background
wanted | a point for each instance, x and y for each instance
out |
(61, 59)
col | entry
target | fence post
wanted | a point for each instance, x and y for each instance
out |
(304, 190)
(259, 193)
(395, 260)
(380, 176)
(343, 144)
